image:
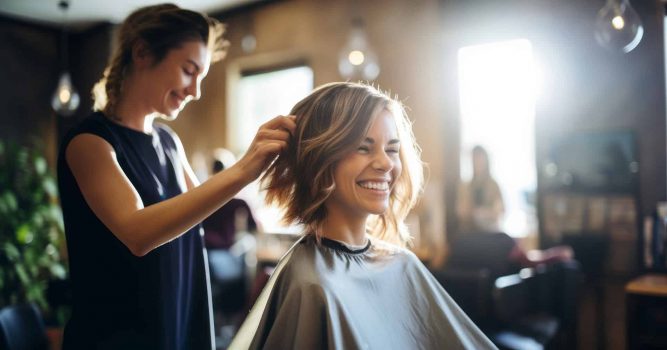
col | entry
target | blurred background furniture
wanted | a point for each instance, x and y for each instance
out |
(646, 299)
(592, 250)
(231, 276)
(22, 328)
(530, 308)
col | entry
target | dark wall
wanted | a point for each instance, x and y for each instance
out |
(29, 71)
(586, 88)
(89, 52)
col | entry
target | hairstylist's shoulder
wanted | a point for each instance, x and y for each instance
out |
(90, 145)
(86, 150)
(92, 160)
(93, 124)
(87, 141)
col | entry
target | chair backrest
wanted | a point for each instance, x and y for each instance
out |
(590, 250)
(483, 251)
(517, 295)
(22, 328)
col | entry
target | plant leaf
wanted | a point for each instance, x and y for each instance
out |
(23, 234)
(40, 165)
(23, 275)
(58, 271)
(12, 252)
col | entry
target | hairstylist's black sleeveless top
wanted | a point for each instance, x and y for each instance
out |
(121, 301)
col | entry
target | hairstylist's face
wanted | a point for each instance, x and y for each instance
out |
(176, 80)
(365, 177)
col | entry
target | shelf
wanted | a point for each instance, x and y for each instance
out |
(651, 284)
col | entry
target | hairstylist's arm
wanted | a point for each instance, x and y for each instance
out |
(115, 201)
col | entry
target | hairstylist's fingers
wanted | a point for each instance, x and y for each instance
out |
(273, 134)
(260, 155)
(275, 147)
(281, 122)
(271, 139)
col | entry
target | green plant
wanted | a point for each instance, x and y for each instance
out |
(31, 226)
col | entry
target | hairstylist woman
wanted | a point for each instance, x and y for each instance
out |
(131, 203)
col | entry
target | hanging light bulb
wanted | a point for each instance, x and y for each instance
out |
(65, 99)
(618, 26)
(357, 59)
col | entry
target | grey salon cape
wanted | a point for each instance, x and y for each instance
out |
(335, 296)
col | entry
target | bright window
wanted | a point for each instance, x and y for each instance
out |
(497, 86)
(264, 95)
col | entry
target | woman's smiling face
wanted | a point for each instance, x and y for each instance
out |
(365, 177)
(176, 79)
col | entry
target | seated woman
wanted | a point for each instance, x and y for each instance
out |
(480, 206)
(350, 175)
(480, 209)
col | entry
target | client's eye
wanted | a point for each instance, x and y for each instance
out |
(362, 149)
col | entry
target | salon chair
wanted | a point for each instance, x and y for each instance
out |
(519, 309)
(22, 328)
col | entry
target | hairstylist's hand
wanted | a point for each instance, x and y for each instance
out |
(271, 139)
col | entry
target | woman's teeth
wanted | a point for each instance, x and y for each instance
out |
(381, 186)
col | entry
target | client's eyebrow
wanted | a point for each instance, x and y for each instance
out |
(372, 141)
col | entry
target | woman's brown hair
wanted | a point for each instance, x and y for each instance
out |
(160, 28)
(330, 123)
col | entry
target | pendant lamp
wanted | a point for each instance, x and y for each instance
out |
(618, 26)
(357, 60)
(65, 99)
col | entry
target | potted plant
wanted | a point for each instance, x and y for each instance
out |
(31, 229)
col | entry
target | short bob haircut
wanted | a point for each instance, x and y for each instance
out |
(160, 28)
(330, 123)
